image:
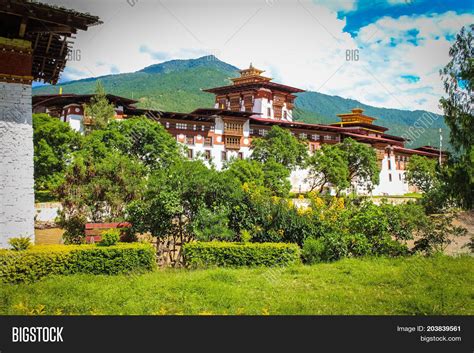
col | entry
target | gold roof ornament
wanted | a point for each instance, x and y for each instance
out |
(250, 75)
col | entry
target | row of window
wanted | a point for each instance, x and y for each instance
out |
(191, 139)
(186, 126)
(207, 154)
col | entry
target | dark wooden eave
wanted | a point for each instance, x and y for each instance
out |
(50, 30)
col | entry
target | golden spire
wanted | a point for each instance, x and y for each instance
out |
(250, 75)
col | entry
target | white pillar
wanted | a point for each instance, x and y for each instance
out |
(17, 209)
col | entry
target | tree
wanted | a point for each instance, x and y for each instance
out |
(280, 146)
(54, 141)
(247, 171)
(276, 178)
(178, 198)
(422, 172)
(271, 175)
(328, 165)
(142, 138)
(362, 163)
(458, 78)
(97, 189)
(99, 109)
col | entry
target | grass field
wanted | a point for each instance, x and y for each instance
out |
(418, 286)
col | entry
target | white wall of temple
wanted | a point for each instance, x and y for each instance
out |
(289, 112)
(262, 106)
(75, 122)
(392, 181)
(17, 208)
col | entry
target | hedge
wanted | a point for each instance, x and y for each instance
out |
(226, 254)
(40, 261)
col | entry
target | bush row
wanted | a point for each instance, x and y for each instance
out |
(226, 254)
(40, 261)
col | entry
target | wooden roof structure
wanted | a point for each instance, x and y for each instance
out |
(50, 30)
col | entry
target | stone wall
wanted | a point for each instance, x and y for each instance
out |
(16, 163)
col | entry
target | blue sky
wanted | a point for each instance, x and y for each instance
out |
(400, 44)
(368, 11)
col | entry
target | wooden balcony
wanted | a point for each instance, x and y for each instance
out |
(232, 143)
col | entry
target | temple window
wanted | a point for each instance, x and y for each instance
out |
(303, 135)
(181, 126)
(315, 137)
(208, 141)
(190, 153)
(269, 112)
(207, 154)
(190, 140)
(224, 155)
(390, 177)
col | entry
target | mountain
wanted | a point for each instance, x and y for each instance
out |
(177, 85)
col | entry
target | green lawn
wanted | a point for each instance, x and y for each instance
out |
(439, 285)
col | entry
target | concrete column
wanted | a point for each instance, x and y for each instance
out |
(17, 209)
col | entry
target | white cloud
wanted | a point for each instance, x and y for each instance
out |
(300, 43)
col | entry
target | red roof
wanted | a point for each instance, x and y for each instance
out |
(371, 138)
(295, 124)
(255, 85)
(415, 151)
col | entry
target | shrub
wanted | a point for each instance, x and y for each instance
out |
(202, 254)
(312, 250)
(40, 261)
(332, 246)
(21, 243)
(110, 237)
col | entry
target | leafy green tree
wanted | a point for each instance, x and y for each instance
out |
(271, 175)
(362, 163)
(328, 165)
(97, 189)
(142, 138)
(280, 146)
(176, 199)
(99, 109)
(458, 78)
(422, 173)
(247, 171)
(54, 141)
(438, 233)
(276, 178)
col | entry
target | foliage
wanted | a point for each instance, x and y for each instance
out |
(176, 198)
(142, 138)
(225, 254)
(437, 234)
(100, 110)
(328, 165)
(97, 189)
(110, 237)
(458, 78)
(276, 178)
(280, 146)
(20, 243)
(271, 175)
(41, 261)
(212, 224)
(422, 173)
(332, 246)
(54, 141)
(361, 162)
